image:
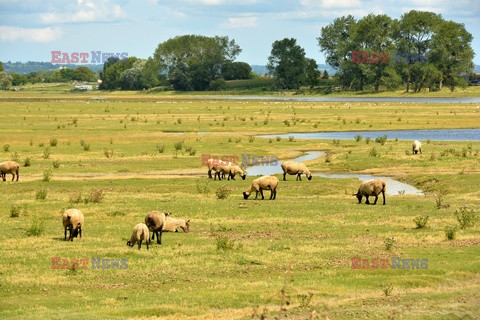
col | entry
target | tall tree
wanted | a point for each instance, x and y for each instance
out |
(312, 73)
(287, 63)
(451, 52)
(191, 62)
(414, 34)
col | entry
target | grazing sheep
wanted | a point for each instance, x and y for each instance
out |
(73, 220)
(9, 167)
(155, 222)
(216, 165)
(172, 225)
(298, 168)
(371, 188)
(140, 233)
(416, 147)
(260, 184)
(231, 170)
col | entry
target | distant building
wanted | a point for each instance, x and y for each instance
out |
(83, 88)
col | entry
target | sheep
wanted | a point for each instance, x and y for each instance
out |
(216, 165)
(416, 147)
(298, 168)
(172, 225)
(371, 188)
(231, 170)
(156, 221)
(73, 220)
(260, 184)
(9, 167)
(140, 233)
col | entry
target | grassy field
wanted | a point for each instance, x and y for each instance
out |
(288, 258)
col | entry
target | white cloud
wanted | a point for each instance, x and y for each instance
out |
(9, 33)
(87, 11)
(331, 4)
(242, 22)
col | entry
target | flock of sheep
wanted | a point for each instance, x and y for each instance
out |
(158, 222)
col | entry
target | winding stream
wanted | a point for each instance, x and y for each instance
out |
(394, 187)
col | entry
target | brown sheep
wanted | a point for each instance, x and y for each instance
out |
(371, 188)
(140, 233)
(73, 220)
(9, 167)
(172, 225)
(298, 168)
(260, 184)
(155, 222)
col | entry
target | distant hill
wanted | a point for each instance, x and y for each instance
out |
(262, 70)
(34, 66)
(476, 69)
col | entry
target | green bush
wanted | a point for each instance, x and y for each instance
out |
(41, 194)
(223, 192)
(466, 217)
(450, 232)
(14, 211)
(36, 229)
(421, 221)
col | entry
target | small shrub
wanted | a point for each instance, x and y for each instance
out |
(466, 217)
(95, 196)
(178, 146)
(336, 142)
(421, 221)
(160, 148)
(387, 290)
(440, 199)
(358, 138)
(15, 157)
(193, 152)
(86, 146)
(373, 153)
(464, 152)
(251, 139)
(56, 164)
(75, 197)
(305, 299)
(37, 228)
(41, 144)
(278, 138)
(41, 194)
(290, 138)
(6, 147)
(47, 175)
(188, 148)
(381, 139)
(224, 243)
(53, 142)
(46, 153)
(179, 120)
(27, 162)
(328, 159)
(389, 243)
(223, 192)
(367, 140)
(14, 211)
(117, 213)
(108, 153)
(450, 232)
(202, 185)
(270, 140)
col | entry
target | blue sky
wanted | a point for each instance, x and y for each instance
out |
(30, 30)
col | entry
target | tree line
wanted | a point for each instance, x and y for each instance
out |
(195, 62)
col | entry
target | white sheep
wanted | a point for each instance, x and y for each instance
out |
(73, 220)
(231, 171)
(216, 165)
(260, 184)
(155, 222)
(371, 188)
(416, 147)
(140, 233)
(298, 168)
(9, 167)
(172, 225)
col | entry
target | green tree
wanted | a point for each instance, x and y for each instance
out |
(1, 66)
(312, 73)
(236, 71)
(5, 80)
(84, 74)
(112, 71)
(413, 35)
(451, 52)
(191, 62)
(18, 79)
(325, 74)
(287, 63)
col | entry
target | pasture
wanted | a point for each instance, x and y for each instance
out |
(113, 156)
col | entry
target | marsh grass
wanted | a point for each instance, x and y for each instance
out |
(36, 229)
(41, 194)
